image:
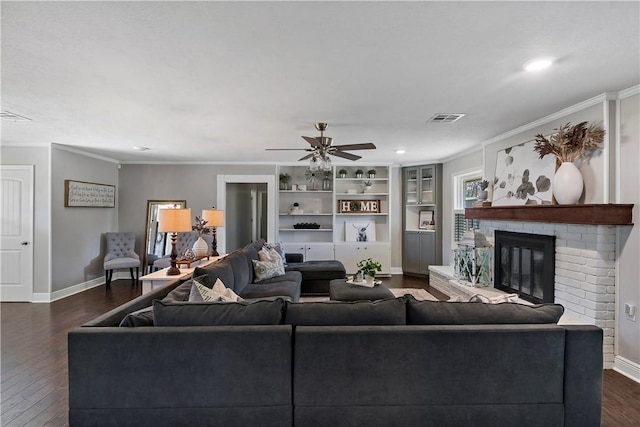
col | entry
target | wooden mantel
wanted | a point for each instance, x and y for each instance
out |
(600, 214)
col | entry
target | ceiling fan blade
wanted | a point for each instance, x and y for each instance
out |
(344, 155)
(308, 156)
(367, 146)
(288, 149)
(313, 141)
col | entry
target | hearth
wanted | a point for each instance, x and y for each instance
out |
(525, 264)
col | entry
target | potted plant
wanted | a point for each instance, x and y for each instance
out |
(482, 194)
(342, 173)
(285, 178)
(368, 267)
(371, 173)
(200, 247)
(367, 186)
(359, 173)
(568, 144)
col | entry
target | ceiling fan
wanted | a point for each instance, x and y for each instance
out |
(322, 145)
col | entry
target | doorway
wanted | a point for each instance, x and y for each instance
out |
(250, 210)
(246, 213)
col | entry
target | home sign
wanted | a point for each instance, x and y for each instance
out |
(359, 206)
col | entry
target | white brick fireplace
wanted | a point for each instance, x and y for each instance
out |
(585, 271)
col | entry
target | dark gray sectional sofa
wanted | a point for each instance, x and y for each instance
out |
(395, 362)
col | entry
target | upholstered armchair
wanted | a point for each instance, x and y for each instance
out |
(121, 254)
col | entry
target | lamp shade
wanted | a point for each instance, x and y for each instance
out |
(214, 217)
(174, 220)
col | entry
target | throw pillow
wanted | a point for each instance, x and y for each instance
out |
(142, 317)
(207, 294)
(264, 270)
(218, 292)
(269, 255)
(494, 300)
(278, 248)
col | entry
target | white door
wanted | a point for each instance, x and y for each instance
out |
(16, 233)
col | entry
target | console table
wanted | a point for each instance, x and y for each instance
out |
(160, 277)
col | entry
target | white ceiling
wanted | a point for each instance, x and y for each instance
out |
(222, 81)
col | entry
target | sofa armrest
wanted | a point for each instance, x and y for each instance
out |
(293, 258)
(583, 375)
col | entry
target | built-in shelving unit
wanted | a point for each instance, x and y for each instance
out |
(337, 236)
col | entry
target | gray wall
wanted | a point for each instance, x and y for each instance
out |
(39, 158)
(629, 237)
(395, 208)
(194, 183)
(458, 166)
(77, 248)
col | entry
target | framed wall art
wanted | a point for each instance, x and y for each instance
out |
(360, 231)
(522, 178)
(80, 194)
(425, 217)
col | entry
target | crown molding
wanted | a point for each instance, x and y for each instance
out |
(84, 153)
(626, 93)
(606, 96)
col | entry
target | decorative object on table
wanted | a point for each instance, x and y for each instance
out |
(569, 144)
(326, 181)
(483, 193)
(306, 226)
(522, 178)
(295, 209)
(472, 259)
(359, 173)
(174, 221)
(359, 206)
(358, 277)
(311, 176)
(342, 173)
(188, 254)
(322, 147)
(360, 231)
(424, 219)
(371, 173)
(215, 219)
(367, 185)
(200, 247)
(80, 194)
(285, 178)
(369, 267)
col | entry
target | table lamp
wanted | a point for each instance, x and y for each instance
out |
(214, 218)
(174, 221)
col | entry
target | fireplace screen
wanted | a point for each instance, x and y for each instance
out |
(525, 264)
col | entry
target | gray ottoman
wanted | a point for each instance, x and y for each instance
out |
(316, 275)
(340, 290)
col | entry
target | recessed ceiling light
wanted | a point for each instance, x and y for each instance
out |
(138, 148)
(538, 64)
(400, 151)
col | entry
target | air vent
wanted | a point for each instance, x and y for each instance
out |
(8, 115)
(445, 118)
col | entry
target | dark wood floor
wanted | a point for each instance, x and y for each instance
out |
(34, 387)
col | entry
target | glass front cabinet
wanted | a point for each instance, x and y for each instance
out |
(420, 185)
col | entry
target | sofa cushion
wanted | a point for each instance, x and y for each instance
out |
(357, 313)
(217, 313)
(289, 289)
(465, 313)
(242, 270)
(263, 270)
(180, 293)
(142, 317)
(220, 269)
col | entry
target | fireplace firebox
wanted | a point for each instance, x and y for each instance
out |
(525, 264)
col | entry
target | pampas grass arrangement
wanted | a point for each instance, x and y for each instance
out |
(570, 142)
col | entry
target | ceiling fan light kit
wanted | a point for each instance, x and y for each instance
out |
(322, 147)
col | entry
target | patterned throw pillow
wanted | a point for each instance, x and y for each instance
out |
(279, 248)
(264, 270)
(219, 292)
(269, 255)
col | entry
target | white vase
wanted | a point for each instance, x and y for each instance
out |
(567, 184)
(200, 247)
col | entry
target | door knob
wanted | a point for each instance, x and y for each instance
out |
(25, 243)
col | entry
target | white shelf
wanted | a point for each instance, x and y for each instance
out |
(305, 214)
(306, 191)
(362, 194)
(306, 229)
(362, 179)
(362, 214)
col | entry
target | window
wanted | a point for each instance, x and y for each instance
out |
(466, 187)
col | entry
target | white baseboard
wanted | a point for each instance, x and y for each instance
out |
(627, 368)
(75, 289)
(396, 270)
